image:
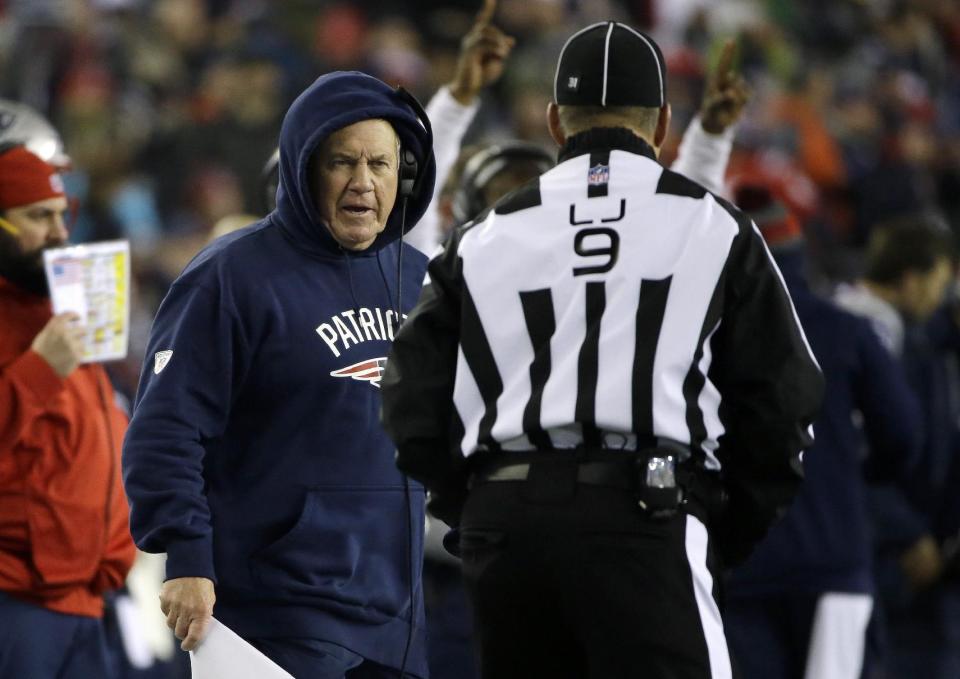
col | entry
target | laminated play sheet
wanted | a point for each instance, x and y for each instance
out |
(93, 280)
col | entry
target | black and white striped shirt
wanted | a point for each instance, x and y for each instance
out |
(610, 299)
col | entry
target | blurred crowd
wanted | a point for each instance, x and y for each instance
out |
(169, 109)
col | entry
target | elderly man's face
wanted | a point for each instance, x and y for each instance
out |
(354, 181)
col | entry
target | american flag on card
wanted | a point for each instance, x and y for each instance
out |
(68, 272)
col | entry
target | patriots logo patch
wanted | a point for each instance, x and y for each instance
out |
(599, 174)
(370, 371)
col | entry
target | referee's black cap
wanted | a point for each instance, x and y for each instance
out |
(610, 64)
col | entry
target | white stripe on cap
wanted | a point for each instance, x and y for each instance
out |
(606, 61)
(656, 59)
(564, 49)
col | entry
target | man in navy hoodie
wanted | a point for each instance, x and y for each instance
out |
(255, 458)
(799, 607)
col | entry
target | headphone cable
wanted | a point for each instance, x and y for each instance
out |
(406, 479)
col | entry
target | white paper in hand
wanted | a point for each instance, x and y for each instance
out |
(93, 281)
(224, 655)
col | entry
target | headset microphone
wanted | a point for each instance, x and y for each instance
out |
(8, 227)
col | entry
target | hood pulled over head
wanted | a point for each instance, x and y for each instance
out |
(332, 102)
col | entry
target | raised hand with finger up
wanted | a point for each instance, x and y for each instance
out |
(483, 53)
(726, 93)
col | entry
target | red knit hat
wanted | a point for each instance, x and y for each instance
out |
(26, 179)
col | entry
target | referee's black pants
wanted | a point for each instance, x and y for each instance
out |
(588, 587)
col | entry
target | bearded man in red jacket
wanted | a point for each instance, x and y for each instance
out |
(64, 536)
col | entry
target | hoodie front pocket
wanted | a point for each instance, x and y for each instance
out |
(352, 546)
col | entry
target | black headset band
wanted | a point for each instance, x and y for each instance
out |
(411, 165)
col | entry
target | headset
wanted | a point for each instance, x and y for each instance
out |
(270, 178)
(409, 171)
(469, 200)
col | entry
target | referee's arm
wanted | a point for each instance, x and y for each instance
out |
(418, 383)
(771, 389)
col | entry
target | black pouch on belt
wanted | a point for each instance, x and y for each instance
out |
(658, 492)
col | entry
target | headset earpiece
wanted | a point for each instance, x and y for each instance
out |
(408, 173)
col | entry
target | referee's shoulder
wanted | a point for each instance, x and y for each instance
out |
(744, 223)
(675, 184)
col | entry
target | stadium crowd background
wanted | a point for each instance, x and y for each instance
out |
(170, 108)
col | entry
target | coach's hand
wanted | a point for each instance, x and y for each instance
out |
(60, 343)
(188, 605)
(726, 93)
(483, 52)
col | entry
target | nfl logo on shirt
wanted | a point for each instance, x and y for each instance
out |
(160, 360)
(599, 174)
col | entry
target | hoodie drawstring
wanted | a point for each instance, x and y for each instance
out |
(386, 285)
(383, 274)
(353, 291)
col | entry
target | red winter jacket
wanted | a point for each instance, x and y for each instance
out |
(64, 535)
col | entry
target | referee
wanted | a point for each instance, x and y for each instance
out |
(605, 386)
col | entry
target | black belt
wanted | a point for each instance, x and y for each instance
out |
(613, 474)
(594, 466)
(553, 475)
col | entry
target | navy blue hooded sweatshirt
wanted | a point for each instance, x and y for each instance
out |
(823, 542)
(255, 455)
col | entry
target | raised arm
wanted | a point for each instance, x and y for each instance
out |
(707, 142)
(483, 54)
